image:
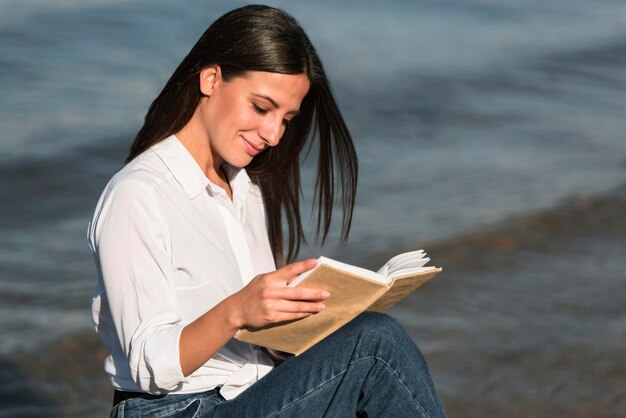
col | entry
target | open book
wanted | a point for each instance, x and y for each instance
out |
(352, 291)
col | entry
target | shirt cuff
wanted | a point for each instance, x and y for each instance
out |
(162, 361)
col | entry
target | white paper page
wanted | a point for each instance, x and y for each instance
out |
(359, 271)
(408, 261)
(413, 259)
(413, 270)
(410, 255)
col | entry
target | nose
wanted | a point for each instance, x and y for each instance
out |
(271, 130)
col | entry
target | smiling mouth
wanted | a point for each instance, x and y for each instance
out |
(252, 150)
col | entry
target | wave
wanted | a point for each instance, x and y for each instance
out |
(594, 220)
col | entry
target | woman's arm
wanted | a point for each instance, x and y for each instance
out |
(129, 240)
(265, 300)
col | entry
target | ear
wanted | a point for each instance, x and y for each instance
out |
(209, 77)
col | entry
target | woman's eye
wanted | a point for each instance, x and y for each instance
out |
(258, 109)
(286, 122)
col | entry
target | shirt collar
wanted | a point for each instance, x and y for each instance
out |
(182, 165)
(239, 183)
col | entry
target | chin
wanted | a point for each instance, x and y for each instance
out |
(240, 162)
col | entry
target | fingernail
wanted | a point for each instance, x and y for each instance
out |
(320, 306)
(325, 294)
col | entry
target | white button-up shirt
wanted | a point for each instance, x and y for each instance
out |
(169, 245)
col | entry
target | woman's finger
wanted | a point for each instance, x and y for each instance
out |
(288, 306)
(301, 293)
(283, 310)
(290, 316)
(293, 270)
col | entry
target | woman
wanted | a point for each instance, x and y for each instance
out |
(186, 260)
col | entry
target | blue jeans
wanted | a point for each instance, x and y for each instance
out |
(368, 368)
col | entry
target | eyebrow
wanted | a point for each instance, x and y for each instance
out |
(273, 102)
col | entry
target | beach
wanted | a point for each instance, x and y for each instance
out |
(492, 137)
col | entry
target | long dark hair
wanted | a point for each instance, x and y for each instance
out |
(262, 38)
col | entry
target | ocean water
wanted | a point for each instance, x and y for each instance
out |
(489, 133)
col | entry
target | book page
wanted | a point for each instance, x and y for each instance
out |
(357, 271)
(411, 255)
(408, 271)
(405, 263)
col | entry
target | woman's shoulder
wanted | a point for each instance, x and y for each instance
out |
(145, 172)
(131, 192)
(137, 183)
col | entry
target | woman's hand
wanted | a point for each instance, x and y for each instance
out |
(267, 298)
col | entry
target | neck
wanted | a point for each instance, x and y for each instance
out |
(201, 152)
(196, 140)
(197, 143)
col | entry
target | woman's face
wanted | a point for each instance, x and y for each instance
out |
(249, 113)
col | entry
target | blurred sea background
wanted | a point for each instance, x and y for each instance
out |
(491, 134)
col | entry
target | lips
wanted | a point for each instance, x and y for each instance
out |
(251, 148)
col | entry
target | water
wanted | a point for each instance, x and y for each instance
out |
(489, 134)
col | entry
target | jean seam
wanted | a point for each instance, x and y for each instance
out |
(419, 407)
(164, 414)
(307, 393)
(120, 409)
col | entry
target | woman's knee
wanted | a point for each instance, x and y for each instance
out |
(382, 326)
(380, 336)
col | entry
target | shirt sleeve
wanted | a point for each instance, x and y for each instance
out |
(129, 239)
